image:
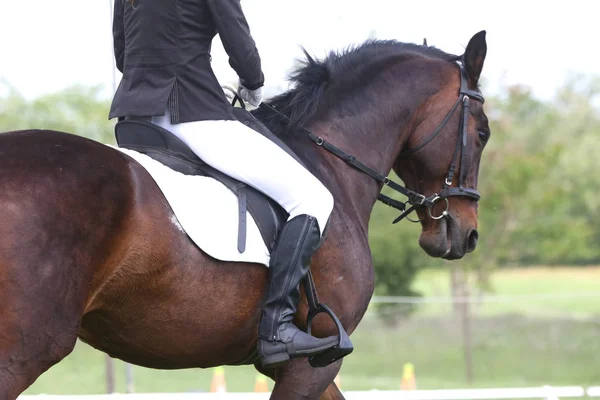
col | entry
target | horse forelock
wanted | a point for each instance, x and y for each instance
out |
(339, 72)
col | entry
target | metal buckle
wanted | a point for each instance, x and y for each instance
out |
(320, 141)
(436, 197)
(444, 213)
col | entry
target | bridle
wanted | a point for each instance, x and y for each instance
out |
(416, 199)
(460, 149)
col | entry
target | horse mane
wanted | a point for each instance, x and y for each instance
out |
(338, 70)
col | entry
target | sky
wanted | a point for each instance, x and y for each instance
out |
(48, 45)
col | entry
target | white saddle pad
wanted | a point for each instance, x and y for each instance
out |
(207, 211)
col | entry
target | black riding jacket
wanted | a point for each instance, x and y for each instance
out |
(162, 47)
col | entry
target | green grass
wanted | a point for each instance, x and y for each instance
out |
(514, 344)
(520, 281)
(507, 351)
(558, 292)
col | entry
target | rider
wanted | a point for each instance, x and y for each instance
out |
(162, 47)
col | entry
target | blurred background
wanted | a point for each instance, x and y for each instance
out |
(522, 310)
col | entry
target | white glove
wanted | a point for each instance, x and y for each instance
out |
(252, 97)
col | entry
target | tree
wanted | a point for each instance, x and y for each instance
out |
(78, 110)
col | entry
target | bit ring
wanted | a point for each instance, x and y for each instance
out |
(444, 213)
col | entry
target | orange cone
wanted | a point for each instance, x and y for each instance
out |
(261, 384)
(218, 381)
(408, 378)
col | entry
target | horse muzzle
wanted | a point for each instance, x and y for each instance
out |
(445, 239)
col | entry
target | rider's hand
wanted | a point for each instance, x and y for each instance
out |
(252, 97)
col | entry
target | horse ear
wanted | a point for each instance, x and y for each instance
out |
(474, 56)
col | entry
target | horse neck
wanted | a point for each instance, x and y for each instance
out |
(374, 133)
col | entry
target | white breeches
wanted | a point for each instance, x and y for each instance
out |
(244, 154)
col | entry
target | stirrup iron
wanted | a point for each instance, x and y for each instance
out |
(344, 347)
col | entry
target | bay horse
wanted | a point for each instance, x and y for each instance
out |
(88, 249)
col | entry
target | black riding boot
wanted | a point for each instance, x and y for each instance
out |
(279, 339)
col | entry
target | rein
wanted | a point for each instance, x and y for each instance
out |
(414, 198)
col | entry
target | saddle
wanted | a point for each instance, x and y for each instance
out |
(166, 148)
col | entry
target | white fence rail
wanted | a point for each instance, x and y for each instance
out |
(547, 392)
(594, 391)
(544, 392)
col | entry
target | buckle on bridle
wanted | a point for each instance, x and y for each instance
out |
(422, 200)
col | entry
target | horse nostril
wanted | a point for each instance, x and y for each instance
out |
(472, 238)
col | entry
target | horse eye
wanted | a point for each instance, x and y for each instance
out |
(484, 136)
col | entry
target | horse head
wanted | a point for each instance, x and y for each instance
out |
(392, 105)
(441, 156)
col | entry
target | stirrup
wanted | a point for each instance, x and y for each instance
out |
(344, 347)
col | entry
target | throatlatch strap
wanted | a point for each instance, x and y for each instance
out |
(438, 130)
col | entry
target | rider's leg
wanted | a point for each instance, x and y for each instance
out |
(248, 156)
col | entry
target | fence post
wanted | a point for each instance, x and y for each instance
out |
(129, 378)
(465, 315)
(459, 286)
(110, 375)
